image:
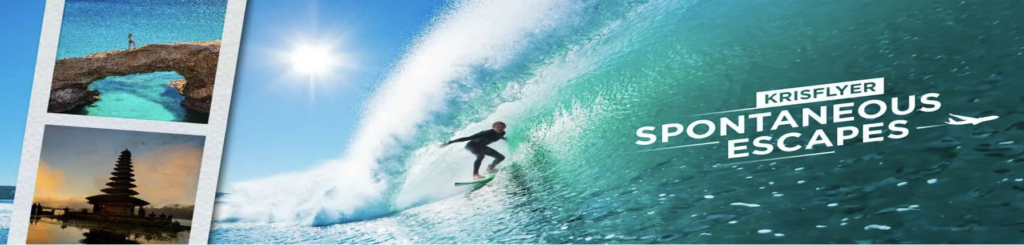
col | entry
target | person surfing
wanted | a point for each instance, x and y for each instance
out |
(478, 146)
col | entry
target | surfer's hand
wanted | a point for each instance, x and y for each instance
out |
(444, 144)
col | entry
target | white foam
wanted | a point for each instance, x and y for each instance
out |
(5, 215)
(877, 227)
(908, 208)
(745, 204)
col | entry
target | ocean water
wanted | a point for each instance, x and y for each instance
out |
(141, 96)
(576, 79)
(5, 219)
(92, 27)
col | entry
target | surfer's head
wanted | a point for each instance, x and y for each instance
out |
(498, 126)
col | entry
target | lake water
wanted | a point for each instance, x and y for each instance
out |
(47, 230)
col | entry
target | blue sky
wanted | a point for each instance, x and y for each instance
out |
(277, 123)
(21, 22)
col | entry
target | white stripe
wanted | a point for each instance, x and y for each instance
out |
(780, 158)
(681, 146)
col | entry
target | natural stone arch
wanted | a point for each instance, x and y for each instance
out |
(195, 61)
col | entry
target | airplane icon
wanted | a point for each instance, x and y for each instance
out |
(969, 120)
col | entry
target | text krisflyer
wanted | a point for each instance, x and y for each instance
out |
(838, 113)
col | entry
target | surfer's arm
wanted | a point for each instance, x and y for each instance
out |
(459, 140)
(477, 135)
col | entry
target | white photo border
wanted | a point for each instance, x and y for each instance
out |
(214, 131)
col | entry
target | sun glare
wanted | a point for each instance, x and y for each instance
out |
(316, 64)
(313, 60)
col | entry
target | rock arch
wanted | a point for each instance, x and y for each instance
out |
(196, 61)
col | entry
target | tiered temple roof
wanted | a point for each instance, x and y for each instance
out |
(121, 185)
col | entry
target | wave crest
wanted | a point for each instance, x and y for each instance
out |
(469, 35)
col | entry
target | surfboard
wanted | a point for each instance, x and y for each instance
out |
(479, 181)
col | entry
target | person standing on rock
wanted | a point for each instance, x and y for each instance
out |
(131, 42)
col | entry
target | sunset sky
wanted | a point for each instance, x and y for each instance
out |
(76, 163)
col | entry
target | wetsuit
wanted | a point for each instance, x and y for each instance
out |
(478, 146)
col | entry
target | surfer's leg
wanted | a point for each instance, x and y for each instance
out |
(476, 164)
(498, 157)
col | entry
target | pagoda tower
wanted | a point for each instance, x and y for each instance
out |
(119, 198)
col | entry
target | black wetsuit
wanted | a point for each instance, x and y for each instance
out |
(478, 146)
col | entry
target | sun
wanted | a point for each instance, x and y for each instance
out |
(313, 60)
(318, 64)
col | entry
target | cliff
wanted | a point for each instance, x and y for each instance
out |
(196, 61)
(178, 85)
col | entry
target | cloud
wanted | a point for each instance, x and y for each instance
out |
(166, 176)
(169, 175)
(49, 189)
(48, 179)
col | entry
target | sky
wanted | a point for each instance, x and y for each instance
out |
(76, 163)
(21, 22)
(279, 122)
(90, 26)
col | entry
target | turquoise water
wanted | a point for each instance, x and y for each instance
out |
(141, 96)
(5, 219)
(92, 27)
(575, 79)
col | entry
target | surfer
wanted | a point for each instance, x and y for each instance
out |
(478, 146)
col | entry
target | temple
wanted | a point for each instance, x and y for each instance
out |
(118, 203)
(119, 198)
